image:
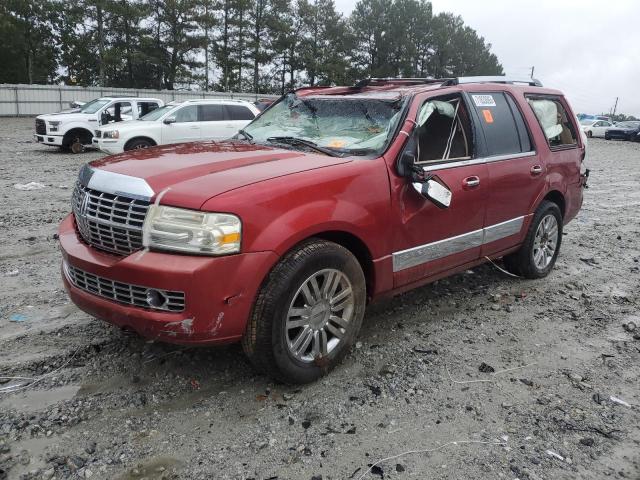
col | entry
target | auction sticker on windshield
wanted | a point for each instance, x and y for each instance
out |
(483, 100)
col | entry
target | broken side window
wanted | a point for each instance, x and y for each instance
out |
(443, 131)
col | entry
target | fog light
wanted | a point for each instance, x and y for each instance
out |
(156, 299)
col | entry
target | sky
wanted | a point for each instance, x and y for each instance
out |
(589, 49)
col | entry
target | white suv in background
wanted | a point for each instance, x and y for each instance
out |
(177, 122)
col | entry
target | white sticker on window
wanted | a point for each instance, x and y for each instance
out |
(483, 100)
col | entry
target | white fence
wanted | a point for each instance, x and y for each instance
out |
(29, 100)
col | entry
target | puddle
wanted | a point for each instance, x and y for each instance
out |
(37, 448)
(35, 400)
(152, 468)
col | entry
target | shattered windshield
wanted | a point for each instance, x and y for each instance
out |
(354, 125)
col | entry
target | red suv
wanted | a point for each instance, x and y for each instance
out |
(332, 197)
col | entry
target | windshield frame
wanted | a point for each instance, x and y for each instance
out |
(93, 102)
(404, 99)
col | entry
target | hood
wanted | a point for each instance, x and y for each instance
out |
(195, 172)
(65, 116)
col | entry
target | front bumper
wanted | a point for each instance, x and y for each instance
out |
(219, 291)
(55, 140)
(108, 145)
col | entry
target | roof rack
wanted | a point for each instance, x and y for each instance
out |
(533, 82)
(399, 80)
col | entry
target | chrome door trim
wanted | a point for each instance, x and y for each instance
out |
(115, 183)
(435, 250)
(477, 161)
(502, 230)
(428, 252)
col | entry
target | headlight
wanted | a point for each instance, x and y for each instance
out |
(111, 134)
(53, 126)
(190, 231)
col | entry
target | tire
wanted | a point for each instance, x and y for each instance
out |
(282, 321)
(589, 134)
(137, 144)
(531, 261)
(607, 137)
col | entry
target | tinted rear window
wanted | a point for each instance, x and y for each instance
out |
(238, 112)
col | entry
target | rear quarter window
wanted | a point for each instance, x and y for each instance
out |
(554, 120)
(502, 125)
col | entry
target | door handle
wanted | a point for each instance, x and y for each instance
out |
(471, 182)
(536, 170)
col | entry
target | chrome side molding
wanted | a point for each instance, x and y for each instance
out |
(428, 252)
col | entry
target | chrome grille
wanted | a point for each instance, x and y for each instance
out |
(41, 128)
(109, 222)
(123, 292)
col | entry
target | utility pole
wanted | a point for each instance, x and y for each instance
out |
(615, 107)
(532, 69)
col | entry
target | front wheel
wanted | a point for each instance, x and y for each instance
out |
(539, 251)
(307, 313)
(138, 144)
(589, 134)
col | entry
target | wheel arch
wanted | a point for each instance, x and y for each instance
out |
(79, 131)
(346, 239)
(359, 250)
(557, 197)
(140, 137)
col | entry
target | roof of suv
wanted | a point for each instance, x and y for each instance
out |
(144, 99)
(393, 88)
(197, 101)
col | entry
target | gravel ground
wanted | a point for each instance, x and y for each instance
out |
(544, 373)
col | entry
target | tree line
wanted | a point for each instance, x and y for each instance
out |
(264, 46)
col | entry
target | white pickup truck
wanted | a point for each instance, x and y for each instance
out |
(74, 130)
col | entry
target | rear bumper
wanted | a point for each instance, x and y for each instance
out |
(219, 291)
(54, 140)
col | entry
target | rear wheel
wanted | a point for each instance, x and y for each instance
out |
(138, 143)
(541, 246)
(307, 313)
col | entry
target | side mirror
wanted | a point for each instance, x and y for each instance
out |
(104, 118)
(434, 191)
(169, 120)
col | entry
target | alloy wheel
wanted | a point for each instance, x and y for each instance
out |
(319, 315)
(545, 241)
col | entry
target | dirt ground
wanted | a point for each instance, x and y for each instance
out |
(109, 405)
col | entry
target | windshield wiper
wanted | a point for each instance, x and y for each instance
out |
(306, 143)
(246, 135)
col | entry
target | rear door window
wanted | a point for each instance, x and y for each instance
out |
(555, 122)
(211, 113)
(238, 112)
(502, 125)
